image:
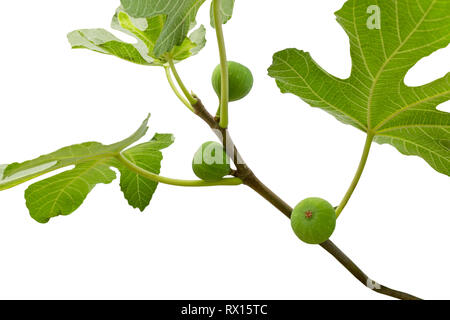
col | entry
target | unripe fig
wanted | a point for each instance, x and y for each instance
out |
(313, 220)
(211, 163)
(240, 81)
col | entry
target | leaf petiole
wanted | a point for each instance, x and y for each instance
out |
(176, 182)
(358, 174)
(183, 88)
(175, 90)
(223, 65)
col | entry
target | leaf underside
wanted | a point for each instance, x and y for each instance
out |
(180, 18)
(63, 193)
(375, 98)
(147, 31)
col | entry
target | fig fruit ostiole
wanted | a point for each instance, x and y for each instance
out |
(313, 220)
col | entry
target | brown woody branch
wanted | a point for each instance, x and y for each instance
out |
(251, 180)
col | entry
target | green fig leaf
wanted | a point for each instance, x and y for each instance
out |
(386, 41)
(63, 193)
(18, 173)
(146, 31)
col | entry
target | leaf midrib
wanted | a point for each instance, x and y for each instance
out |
(72, 181)
(137, 178)
(381, 70)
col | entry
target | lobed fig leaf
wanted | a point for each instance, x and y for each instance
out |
(375, 98)
(146, 31)
(18, 173)
(63, 193)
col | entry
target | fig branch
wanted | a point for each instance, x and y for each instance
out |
(361, 276)
(251, 180)
(183, 88)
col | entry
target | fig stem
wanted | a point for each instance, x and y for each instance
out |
(340, 256)
(357, 177)
(176, 182)
(251, 180)
(175, 90)
(183, 88)
(223, 65)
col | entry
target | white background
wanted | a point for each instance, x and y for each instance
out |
(217, 243)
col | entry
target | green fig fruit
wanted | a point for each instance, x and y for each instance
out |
(211, 163)
(313, 220)
(240, 81)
